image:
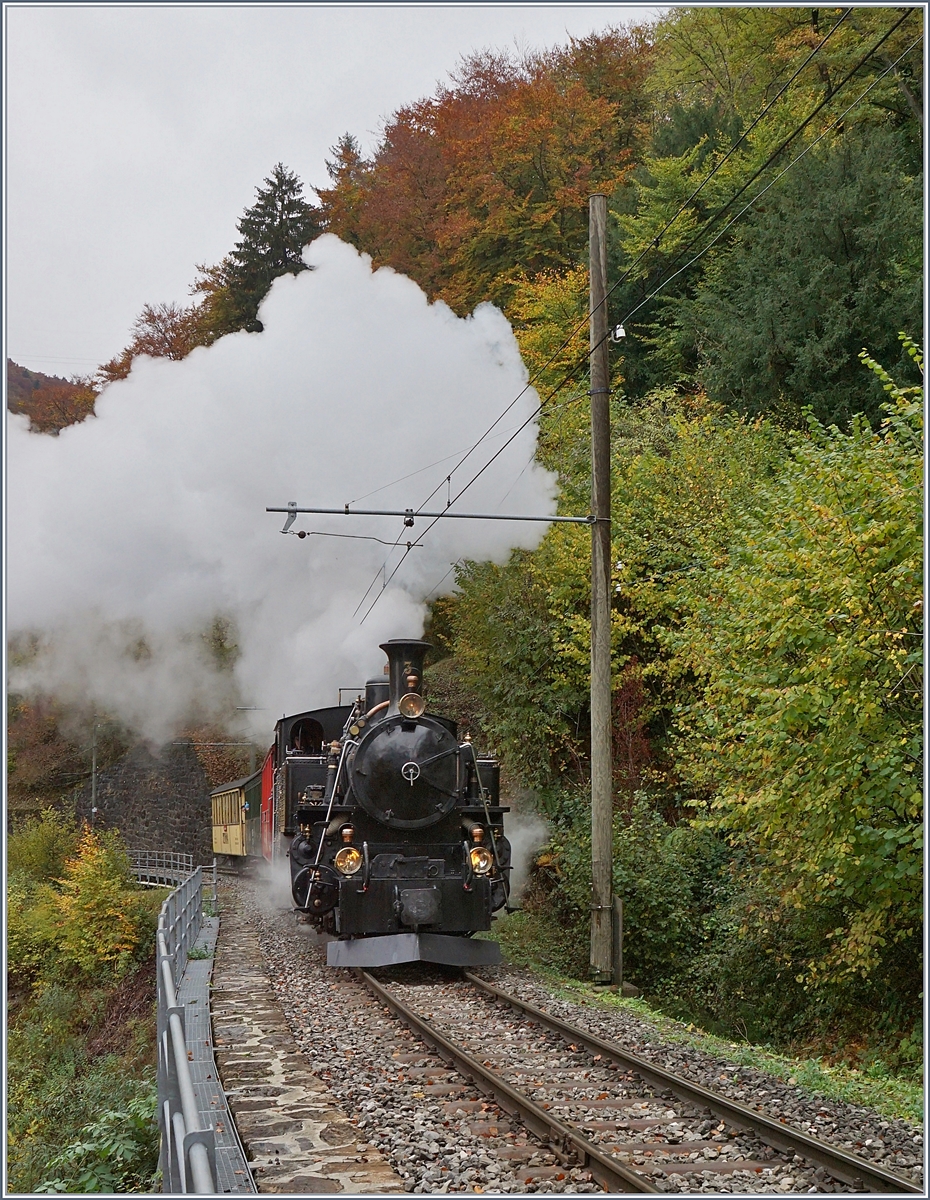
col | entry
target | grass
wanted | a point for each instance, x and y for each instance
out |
(527, 942)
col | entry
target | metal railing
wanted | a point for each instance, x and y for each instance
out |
(159, 867)
(188, 1152)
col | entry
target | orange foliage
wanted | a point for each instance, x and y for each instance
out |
(490, 177)
(160, 331)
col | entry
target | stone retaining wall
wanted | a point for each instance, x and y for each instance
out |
(158, 801)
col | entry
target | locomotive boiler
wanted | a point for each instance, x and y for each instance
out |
(393, 825)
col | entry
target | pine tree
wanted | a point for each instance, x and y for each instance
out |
(274, 232)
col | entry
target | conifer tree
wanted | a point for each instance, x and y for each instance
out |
(273, 232)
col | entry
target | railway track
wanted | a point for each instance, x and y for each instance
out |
(630, 1125)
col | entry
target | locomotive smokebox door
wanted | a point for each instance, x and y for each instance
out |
(405, 772)
(419, 906)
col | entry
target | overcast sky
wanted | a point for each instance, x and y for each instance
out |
(136, 135)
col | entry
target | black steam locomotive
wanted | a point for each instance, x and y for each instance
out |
(395, 826)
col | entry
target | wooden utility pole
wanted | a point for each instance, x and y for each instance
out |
(601, 766)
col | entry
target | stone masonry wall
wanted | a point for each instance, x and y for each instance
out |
(157, 801)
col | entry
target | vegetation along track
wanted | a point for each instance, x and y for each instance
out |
(627, 1122)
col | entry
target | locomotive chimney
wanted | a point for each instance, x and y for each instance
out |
(405, 662)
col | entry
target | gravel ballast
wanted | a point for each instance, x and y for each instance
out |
(442, 1136)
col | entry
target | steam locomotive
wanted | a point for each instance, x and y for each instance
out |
(392, 826)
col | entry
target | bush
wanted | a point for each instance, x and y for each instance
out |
(30, 927)
(668, 877)
(40, 848)
(99, 910)
(116, 1153)
(90, 919)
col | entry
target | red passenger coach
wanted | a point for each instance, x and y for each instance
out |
(268, 806)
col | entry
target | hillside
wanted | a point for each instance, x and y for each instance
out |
(49, 401)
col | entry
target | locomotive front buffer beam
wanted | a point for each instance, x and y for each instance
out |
(388, 949)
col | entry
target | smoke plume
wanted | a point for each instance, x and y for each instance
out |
(130, 533)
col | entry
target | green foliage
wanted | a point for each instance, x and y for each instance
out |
(274, 232)
(770, 318)
(100, 911)
(77, 1122)
(78, 928)
(833, 256)
(668, 878)
(511, 623)
(39, 849)
(766, 599)
(807, 734)
(118, 1152)
(75, 909)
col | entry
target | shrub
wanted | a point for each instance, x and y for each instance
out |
(40, 848)
(30, 927)
(668, 877)
(116, 1153)
(101, 911)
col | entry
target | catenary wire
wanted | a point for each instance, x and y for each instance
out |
(773, 181)
(729, 204)
(782, 147)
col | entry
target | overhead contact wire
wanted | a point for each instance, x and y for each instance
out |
(784, 145)
(567, 378)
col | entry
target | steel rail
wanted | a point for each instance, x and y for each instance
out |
(565, 1141)
(840, 1163)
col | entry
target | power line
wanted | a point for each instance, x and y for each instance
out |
(788, 140)
(654, 243)
(581, 362)
(730, 203)
(773, 181)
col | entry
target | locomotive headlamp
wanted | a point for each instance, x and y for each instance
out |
(481, 860)
(348, 860)
(411, 705)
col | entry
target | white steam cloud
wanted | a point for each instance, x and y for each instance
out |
(527, 834)
(129, 533)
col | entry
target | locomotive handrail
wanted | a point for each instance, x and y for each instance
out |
(505, 882)
(188, 1156)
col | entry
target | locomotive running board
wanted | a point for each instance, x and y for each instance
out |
(386, 949)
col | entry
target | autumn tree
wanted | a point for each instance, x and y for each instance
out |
(490, 176)
(341, 203)
(273, 233)
(160, 331)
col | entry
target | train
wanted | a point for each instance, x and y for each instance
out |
(392, 826)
